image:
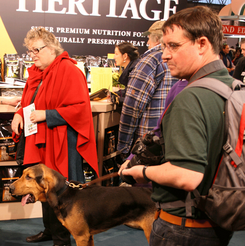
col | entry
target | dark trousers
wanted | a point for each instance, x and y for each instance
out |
(166, 234)
(53, 226)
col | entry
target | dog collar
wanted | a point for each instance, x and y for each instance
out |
(59, 192)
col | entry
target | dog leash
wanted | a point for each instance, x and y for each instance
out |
(105, 177)
(82, 186)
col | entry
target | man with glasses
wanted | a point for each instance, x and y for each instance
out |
(239, 72)
(193, 131)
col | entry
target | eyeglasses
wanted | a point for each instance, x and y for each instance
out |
(173, 47)
(35, 51)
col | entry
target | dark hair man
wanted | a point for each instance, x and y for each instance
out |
(192, 128)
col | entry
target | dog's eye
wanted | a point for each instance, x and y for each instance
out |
(28, 177)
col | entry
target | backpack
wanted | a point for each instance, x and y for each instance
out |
(225, 202)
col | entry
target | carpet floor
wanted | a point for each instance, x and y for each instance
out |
(14, 232)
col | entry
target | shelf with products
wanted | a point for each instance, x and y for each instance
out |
(12, 210)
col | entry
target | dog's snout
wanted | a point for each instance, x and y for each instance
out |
(11, 188)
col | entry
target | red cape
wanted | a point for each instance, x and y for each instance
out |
(64, 88)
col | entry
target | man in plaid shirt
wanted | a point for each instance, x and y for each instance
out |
(149, 84)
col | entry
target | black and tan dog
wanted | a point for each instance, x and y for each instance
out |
(87, 211)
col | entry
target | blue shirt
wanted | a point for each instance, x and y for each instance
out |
(149, 84)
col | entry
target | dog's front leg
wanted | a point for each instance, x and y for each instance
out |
(85, 241)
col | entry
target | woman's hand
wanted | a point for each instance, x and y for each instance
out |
(17, 123)
(37, 116)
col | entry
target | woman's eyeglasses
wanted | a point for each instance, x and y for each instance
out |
(35, 51)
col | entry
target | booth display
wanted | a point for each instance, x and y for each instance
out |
(15, 66)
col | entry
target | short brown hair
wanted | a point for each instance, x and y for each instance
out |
(48, 38)
(197, 22)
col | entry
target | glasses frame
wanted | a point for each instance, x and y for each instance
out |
(35, 51)
(173, 47)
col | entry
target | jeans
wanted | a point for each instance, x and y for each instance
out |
(166, 234)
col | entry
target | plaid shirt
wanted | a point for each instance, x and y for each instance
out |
(149, 84)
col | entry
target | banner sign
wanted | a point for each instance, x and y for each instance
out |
(86, 27)
(234, 30)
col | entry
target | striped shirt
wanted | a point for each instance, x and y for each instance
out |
(149, 84)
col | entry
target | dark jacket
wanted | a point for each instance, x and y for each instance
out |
(124, 76)
(239, 72)
(124, 79)
(224, 58)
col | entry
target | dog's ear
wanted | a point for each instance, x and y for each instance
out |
(55, 183)
(52, 198)
(39, 175)
(51, 181)
(58, 179)
(39, 179)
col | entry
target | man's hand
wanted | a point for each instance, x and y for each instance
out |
(136, 172)
(166, 174)
(123, 166)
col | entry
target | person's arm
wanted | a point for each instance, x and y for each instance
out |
(168, 175)
(13, 101)
(52, 117)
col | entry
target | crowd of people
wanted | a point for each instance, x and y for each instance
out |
(231, 57)
(155, 83)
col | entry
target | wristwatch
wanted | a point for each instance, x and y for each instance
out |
(144, 175)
